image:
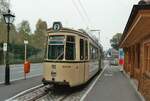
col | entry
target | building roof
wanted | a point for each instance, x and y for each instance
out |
(134, 13)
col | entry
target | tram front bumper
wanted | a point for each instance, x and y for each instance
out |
(46, 82)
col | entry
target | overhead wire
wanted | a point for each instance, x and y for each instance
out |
(79, 12)
(85, 12)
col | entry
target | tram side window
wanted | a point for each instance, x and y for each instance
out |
(91, 55)
(86, 50)
(81, 49)
(70, 48)
(93, 52)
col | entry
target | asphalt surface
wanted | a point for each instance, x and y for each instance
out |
(113, 85)
(16, 71)
(18, 86)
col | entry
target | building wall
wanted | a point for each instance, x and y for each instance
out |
(137, 65)
(145, 72)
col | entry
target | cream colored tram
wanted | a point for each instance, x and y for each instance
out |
(72, 57)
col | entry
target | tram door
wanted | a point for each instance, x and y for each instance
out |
(82, 59)
(86, 63)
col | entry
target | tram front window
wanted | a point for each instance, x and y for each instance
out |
(70, 48)
(56, 47)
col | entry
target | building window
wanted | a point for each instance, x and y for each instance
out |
(81, 49)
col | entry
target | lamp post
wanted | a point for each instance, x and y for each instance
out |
(9, 18)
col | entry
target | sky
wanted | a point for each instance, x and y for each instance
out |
(108, 16)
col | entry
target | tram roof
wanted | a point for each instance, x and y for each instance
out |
(50, 30)
(79, 31)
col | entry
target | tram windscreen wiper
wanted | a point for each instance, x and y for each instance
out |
(61, 54)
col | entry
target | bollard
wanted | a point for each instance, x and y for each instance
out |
(26, 68)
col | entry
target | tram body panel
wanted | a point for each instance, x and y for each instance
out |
(71, 73)
(86, 72)
(81, 73)
(93, 68)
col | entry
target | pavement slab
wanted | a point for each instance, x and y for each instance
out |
(113, 85)
(7, 91)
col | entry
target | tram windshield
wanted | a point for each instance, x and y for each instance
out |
(56, 47)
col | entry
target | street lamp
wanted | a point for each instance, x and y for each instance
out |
(9, 18)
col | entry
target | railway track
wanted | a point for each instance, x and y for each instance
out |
(40, 93)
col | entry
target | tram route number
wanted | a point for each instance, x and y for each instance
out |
(57, 26)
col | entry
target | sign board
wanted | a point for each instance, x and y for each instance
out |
(121, 56)
(25, 42)
(5, 47)
(57, 26)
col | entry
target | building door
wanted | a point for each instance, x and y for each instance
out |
(147, 58)
(146, 72)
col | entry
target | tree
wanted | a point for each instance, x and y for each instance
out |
(24, 31)
(115, 41)
(39, 37)
(4, 5)
(3, 9)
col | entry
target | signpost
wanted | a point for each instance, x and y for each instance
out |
(26, 63)
(25, 53)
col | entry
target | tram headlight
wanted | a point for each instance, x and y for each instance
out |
(53, 66)
(53, 71)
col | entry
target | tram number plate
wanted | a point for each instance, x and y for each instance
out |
(53, 74)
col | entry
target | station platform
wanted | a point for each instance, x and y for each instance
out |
(7, 91)
(113, 85)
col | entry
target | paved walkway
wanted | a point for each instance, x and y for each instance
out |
(113, 85)
(18, 86)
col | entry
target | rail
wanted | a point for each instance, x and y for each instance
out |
(38, 93)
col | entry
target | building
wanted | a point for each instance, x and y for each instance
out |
(136, 44)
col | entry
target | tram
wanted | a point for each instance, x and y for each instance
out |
(72, 57)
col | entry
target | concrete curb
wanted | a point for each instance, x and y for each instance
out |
(134, 86)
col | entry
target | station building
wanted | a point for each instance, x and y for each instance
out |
(136, 44)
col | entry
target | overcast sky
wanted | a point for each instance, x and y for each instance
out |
(110, 16)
